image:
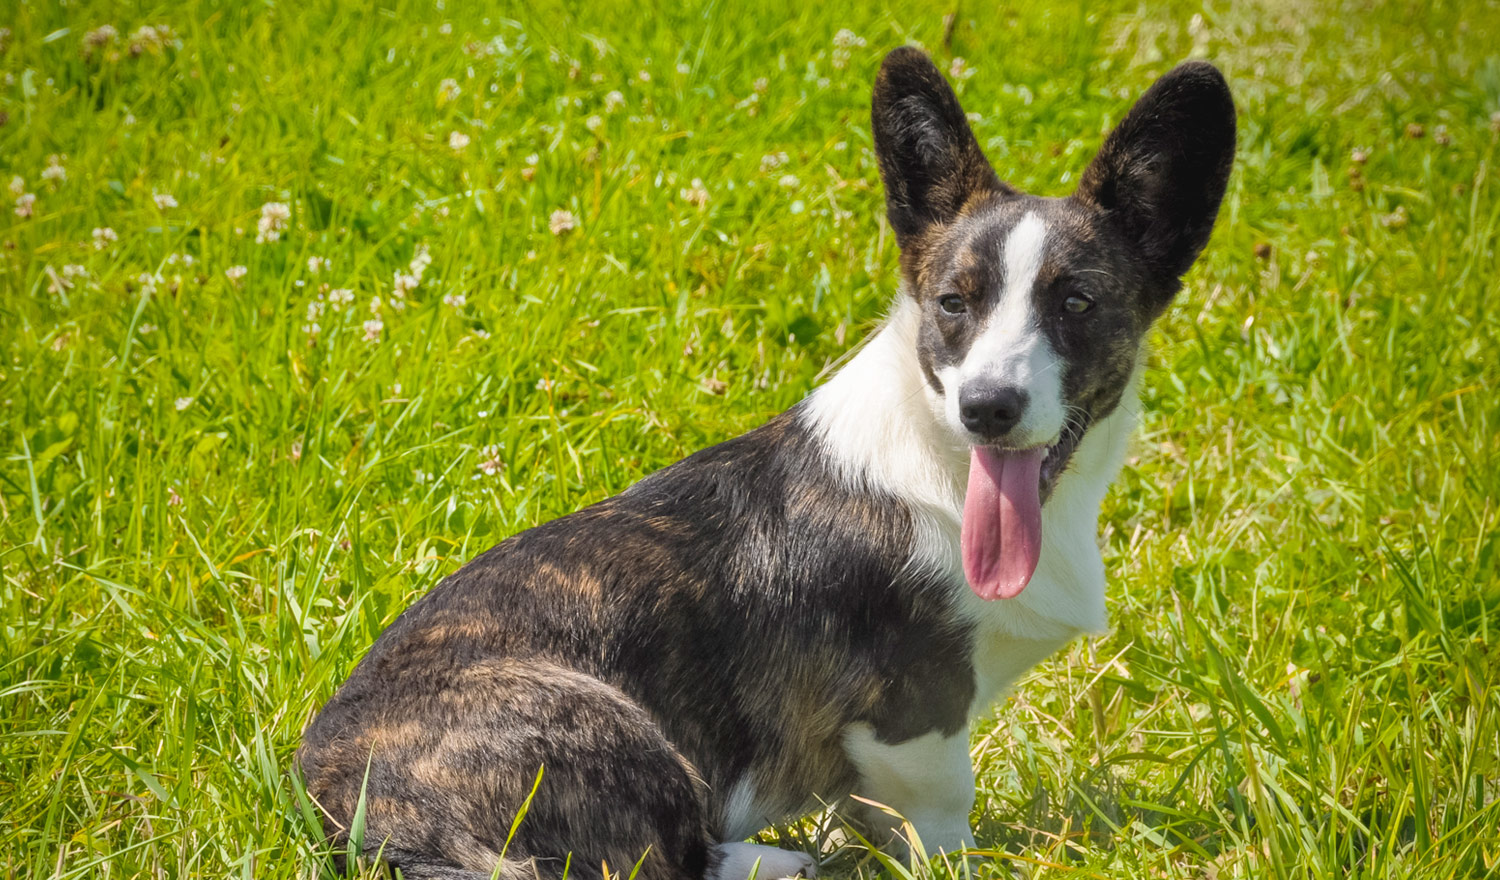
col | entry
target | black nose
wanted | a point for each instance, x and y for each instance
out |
(991, 410)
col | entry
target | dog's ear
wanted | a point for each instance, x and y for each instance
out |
(929, 159)
(1161, 173)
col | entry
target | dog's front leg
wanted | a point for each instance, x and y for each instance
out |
(929, 780)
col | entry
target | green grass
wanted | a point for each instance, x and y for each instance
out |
(210, 514)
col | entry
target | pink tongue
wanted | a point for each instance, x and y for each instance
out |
(1002, 532)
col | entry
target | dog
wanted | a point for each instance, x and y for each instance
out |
(816, 608)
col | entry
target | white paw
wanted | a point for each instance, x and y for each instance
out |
(950, 837)
(744, 861)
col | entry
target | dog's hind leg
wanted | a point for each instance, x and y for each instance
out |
(446, 768)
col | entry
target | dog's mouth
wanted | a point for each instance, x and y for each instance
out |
(1058, 455)
(1001, 538)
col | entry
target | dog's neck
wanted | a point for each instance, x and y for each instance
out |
(882, 428)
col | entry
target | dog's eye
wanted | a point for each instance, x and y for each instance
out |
(953, 304)
(1077, 304)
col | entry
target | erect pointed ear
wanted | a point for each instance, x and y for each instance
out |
(929, 159)
(1161, 173)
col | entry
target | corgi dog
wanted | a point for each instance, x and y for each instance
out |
(818, 608)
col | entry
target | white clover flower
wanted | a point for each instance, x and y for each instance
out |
(17, 186)
(73, 270)
(684, 68)
(445, 28)
(457, 140)
(612, 102)
(403, 285)
(164, 200)
(25, 204)
(316, 265)
(100, 36)
(375, 305)
(373, 328)
(235, 273)
(761, 85)
(448, 90)
(104, 237)
(790, 181)
(695, 194)
(545, 384)
(151, 39)
(182, 403)
(839, 59)
(772, 161)
(455, 300)
(562, 221)
(55, 170)
(420, 260)
(643, 75)
(491, 464)
(594, 123)
(274, 217)
(340, 297)
(146, 329)
(533, 159)
(847, 39)
(958, 68)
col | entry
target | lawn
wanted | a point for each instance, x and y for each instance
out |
(303, 306)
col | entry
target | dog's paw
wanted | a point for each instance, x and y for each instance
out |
(744, 861)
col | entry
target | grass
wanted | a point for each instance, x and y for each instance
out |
(210, 510)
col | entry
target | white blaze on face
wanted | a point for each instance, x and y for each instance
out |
(1010, 348)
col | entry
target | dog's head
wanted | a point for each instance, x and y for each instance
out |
(1033, 310)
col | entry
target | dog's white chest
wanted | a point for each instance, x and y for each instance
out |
(1064, 600)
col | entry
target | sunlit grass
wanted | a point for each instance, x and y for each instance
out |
(220, 483)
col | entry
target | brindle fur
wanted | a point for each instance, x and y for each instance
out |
(644, 673)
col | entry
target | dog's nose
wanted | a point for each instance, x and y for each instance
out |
(991, 410)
